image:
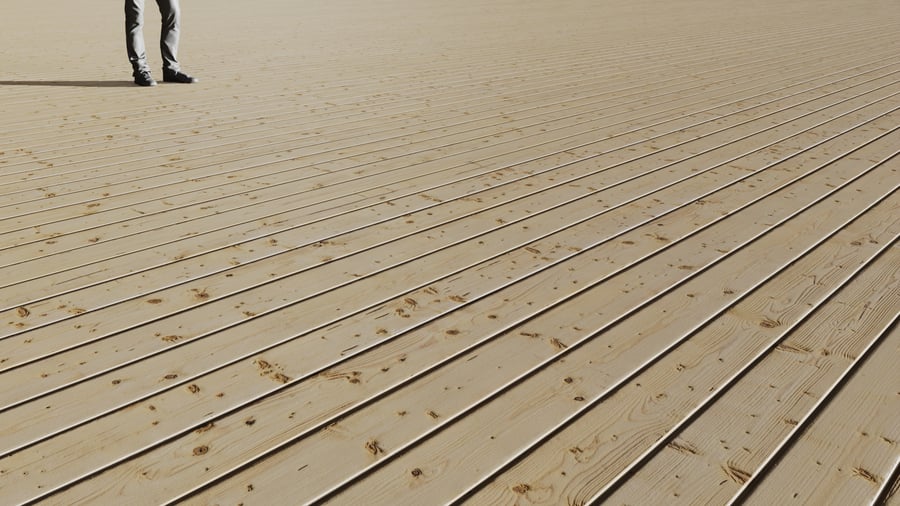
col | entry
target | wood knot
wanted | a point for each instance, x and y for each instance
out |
(737, 475)
(866, 475)
(521, 488)
(374, 447)
(769, 323)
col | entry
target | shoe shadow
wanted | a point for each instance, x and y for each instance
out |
(82, 84)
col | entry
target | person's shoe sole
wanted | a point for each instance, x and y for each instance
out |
(181, 80)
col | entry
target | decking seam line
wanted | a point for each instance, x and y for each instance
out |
(120, 194)
(890, 488)
(459, 354)
(559, 184)
(593, 58)
(780, 199)
(560, 205)
(389, 456)
(549, 55)
(861, 29)
(230, 182)
(497, 116)
(89, 169)
(774, 456)
(434, 367)
(724, 386)
(867, 30)
(659, 168)
(367, 119)
(469, 350)
(413, 86)
(166, 118)
(83, 162)
(224, 184)
(368, 308)
(461, 217)
(696, 411)
(461, 165)
(364, 105)
(401, 121)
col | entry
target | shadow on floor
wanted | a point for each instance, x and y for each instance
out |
(83, 84)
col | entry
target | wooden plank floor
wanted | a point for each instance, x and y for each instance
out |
(483, 252)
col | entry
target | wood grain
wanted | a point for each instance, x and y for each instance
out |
(427, 252)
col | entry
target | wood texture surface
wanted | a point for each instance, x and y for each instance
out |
(481, 252)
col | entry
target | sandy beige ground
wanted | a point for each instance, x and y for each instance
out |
(422, 252)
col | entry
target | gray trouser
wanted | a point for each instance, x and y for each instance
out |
(168, 39)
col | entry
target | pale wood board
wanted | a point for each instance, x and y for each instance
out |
(849, 450)
(508, 252)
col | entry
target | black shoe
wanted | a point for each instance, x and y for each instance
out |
(178, 77)
(143, 78)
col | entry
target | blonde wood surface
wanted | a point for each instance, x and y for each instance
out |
(259, 474)
(405, 252)
(449, 463)
(769, 403)
(585, 456)
(849, 450)
(147, 364)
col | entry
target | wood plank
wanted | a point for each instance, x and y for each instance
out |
(849, 449)
(426, 252)
(106, 245)
(343, 433)
(289, 367)
(579, 461)
(42, 195)
(347, 245)
(168, 115)
(738, 434)
(461, 455)
(139, 343)
(95, 240)
(400, 304)
(652, 66)
(110, 204)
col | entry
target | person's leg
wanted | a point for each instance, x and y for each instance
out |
(168, 42)
(134, 36)
(168, 37)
